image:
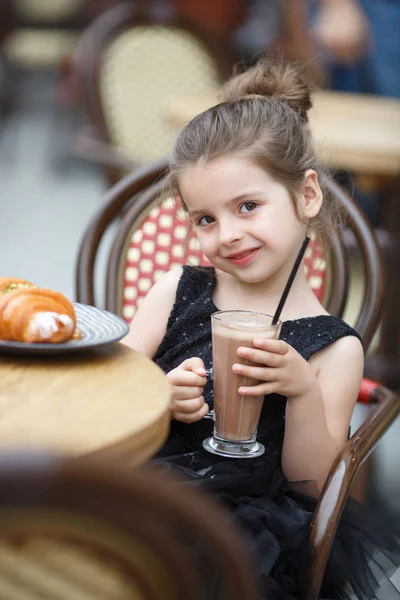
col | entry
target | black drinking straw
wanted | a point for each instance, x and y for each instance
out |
(289, 282)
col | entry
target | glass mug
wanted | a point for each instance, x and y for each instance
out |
(236, 417)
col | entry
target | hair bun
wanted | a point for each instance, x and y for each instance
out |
(274, 78)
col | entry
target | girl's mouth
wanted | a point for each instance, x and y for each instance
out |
(244, 258)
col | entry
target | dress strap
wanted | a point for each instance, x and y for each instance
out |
(311, 334)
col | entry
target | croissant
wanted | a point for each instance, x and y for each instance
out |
(31, 314)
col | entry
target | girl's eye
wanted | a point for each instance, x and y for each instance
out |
(247, 207)
(206, 220)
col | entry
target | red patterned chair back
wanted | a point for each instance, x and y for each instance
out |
(153, 236)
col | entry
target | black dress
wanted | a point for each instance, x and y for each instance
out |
(275, 516)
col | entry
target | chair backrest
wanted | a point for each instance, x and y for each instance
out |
(83, 529)
(153, 236)
(42, 12)
(131, 62)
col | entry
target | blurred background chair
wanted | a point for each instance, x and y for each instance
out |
(38, 42)
(88, 530)
(130, 62)
(42, 33)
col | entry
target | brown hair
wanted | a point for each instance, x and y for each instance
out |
(262, 116)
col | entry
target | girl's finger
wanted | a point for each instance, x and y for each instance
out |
(187, 392)
(194, 364)
(261, 357)
(192, 405)
(186, 378)
(201, 372)
(262, 389)
(275, 346)
(257, 373)
(191, 417)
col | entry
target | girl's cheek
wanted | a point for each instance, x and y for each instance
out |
(207, 253)
(206, 245)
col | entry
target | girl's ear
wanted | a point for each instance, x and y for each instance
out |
(312, 195)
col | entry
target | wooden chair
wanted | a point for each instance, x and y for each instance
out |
(153, 234)
(130, 62)
(43, 34)
(72, 528)
(384, 364)
(150, 239)
(38, 36)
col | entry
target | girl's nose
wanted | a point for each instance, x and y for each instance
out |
(229, 233)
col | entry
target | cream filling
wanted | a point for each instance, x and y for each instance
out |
(45, 324)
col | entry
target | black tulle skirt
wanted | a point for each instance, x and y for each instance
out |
(275, 519)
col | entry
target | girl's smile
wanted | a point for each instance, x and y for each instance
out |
(243, 258)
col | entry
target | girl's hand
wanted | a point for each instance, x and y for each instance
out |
(188, 381)
(280, 368)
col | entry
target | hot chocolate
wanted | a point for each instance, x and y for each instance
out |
(236, 416)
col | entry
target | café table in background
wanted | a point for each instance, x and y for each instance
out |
(112, 403)
(353, 132)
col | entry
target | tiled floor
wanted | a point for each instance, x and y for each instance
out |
(46, 202)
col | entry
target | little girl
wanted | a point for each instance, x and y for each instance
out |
(247, 174)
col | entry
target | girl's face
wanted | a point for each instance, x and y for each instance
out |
(245, 221)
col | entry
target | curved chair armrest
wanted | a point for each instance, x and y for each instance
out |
(117, 197)
(336, 490)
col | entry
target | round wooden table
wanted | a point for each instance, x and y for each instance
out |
(112, 403)
(354, 132)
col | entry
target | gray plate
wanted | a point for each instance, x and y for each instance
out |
(99, 328)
